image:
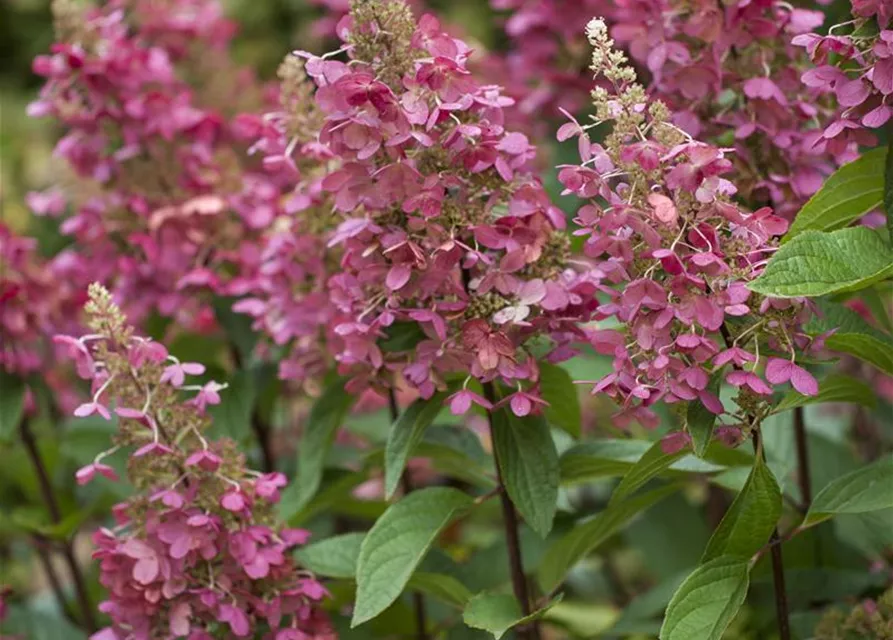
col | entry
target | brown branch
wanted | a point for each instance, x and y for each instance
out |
(803, 478)
(42, 548)
(52, 505)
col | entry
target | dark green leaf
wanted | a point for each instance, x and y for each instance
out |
(396, 544)
(849, 193)
(406, 433)
(326, 416)
(867, 489)
(528, 462)
(565, 552)
(817, 263)
(707, 601)
(834, 388)
(699, 420)
(853, 335)
(652, 463)
(558, 389)
(232, 417)
(12, 399)
(496, 613)
(334, 557)
(401, 336)
(445, 588)
(888, 187)
(237, 326)
(750, 520)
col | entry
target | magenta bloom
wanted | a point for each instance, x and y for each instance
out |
(87, 473)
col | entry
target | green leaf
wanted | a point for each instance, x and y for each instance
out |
(875, 298)
(12, 399)
(888, 187)
(707, 601)
(442, 587)
(406, 433)
(609, 458)
(237, 326)
(651, 464)
(565, 552)
(867, 489)
(816, 263)
(401, 336)
(558, 389)
(853, 335)
(496, 613)
(834, 388)
(325, 417)
(849, 193)
(528, 463)
(699, 420)
(234, 413)
(750, 520)
(334, 557)
(396, 544)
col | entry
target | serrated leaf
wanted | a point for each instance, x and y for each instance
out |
(558, 389)
(405, 435)
(699, 420)
(817, 263)
(750, 520)
(867, 489)
(325, 417)
(396, 544)
(528, 462)
(565, 552)
(12, 399)
(496, 613)
(853, 335)
(652, 463)
(609, 458)
(334, 557)
(707, 601)
(445, 588)
(853, 190)
(834, 388)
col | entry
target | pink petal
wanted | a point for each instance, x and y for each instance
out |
(803, 381)
(398, 276)
(778, 370)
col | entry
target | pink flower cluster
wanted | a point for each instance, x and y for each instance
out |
(857, 68)
(439, 227)
(728, 71)
(196, 552)
(36, 301)
(164, 203)
(675, 255)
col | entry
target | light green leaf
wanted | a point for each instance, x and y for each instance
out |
(558, 389)
(699, 420)
(875, 298)
(853, 335)
(396, 544)
(496, 613)
(401, 336)
(816, 263)
(834, 388)
(849, 193)
(565, 552)
(609, 458)
(12, 398)
(888, 187)
(406, 433)
(334, 557)
(442, 587)
(750, 520)
(705, 604)
(325, 417)
(651, 464)
(867, 489)
(528, 462)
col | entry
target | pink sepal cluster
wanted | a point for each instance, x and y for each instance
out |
(197, 551)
